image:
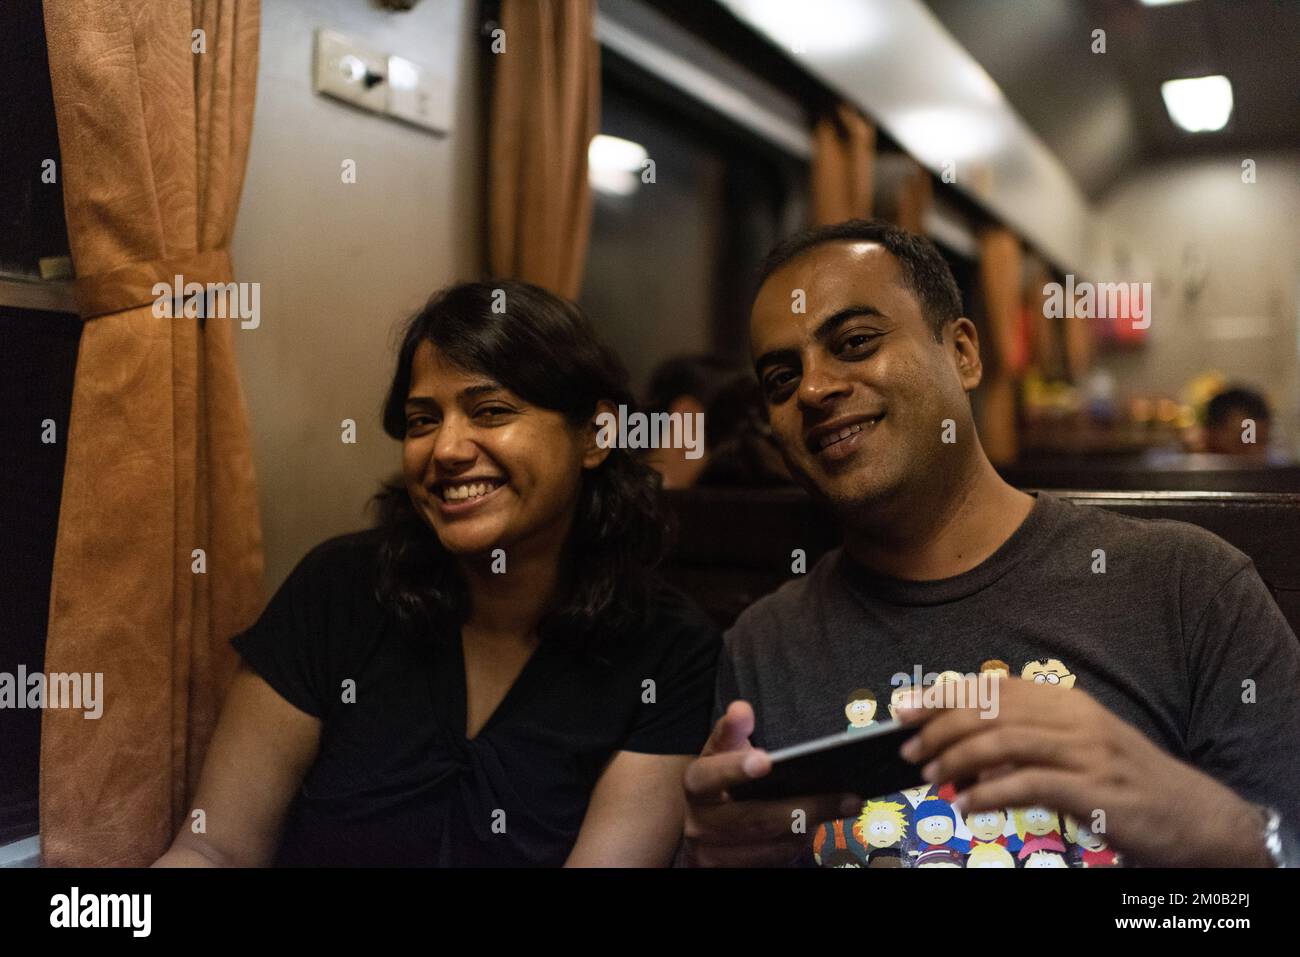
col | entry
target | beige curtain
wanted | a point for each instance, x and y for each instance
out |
(1000, 269)
(154, 135)
(545, 111)
(915, 196)
(843, 166)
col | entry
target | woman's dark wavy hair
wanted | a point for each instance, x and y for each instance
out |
(543, 349)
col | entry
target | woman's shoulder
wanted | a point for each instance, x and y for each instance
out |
(341, 571)
(349, 554)
(670, 602)
(675, 622)
(320, 625)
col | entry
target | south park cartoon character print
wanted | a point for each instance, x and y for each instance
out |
(918, 827)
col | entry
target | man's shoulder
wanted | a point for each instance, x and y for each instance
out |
(1158, 546)
(784, 611)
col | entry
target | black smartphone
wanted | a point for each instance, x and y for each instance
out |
(863, 762)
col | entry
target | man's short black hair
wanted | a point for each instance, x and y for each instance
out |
(925, 271)
(1238, 400)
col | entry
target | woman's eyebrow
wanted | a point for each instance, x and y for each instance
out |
(469, 392)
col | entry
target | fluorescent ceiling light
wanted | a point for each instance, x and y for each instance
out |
(816, 27)
(1159, 3)
(1198, 104)
(614, 165)
(949, 134)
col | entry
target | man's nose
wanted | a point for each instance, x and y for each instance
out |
(820, 384)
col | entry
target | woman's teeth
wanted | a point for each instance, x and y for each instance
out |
(459, 493)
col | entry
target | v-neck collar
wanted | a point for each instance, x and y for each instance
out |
(454, 681)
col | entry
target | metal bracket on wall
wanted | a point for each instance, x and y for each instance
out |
(50, 296)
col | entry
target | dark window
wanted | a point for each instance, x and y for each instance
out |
(671, 264)
(38, 357)
(31, 211)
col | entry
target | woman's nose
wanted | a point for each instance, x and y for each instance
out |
(454, 443)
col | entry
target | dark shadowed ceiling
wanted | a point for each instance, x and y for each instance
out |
(1102, 114)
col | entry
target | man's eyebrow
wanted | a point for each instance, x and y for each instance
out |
(834, 321)
(824, 330)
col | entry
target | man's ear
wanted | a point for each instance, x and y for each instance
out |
(602, 434)
(966, 352)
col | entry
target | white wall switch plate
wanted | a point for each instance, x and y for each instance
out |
(416, 96)
(350, 71)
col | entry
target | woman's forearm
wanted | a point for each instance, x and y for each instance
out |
(178, 855)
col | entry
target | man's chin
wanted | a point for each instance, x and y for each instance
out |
(851, 494)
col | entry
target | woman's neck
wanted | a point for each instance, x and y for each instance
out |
(509, 602)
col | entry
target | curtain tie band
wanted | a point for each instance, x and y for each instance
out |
(132, 285)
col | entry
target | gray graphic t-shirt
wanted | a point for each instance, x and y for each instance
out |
(1163, 623)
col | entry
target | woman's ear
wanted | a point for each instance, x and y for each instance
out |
(602, 434)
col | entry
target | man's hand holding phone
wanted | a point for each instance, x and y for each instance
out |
(1060, 748)
(723, 832)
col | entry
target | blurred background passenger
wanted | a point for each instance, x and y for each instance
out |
(685, 385)
(738, 437)
(1238, 422)
(738, 446)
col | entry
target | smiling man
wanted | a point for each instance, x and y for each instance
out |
(1172, 728)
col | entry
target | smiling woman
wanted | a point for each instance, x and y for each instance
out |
(502, 383)
(494, 675)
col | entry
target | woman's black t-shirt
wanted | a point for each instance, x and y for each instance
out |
(396, 782)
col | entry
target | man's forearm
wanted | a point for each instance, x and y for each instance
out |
(1235, 836)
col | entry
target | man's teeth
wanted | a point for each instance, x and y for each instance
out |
(458, 493)
(842, 434)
